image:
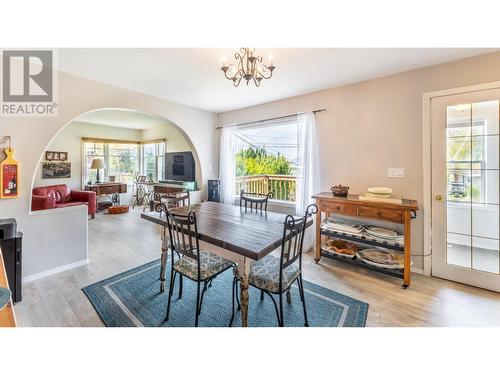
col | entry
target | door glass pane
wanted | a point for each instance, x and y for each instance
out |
(485, 254)
(485, 188)
(485, 220)
(459, 250)
(459, 185)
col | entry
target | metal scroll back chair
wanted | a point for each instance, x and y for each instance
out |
(276, 276)
(184, 241)
(255, 201)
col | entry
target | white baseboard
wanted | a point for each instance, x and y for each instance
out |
(418, 271)
(53, 271)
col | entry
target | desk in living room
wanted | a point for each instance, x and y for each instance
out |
(352, 206)
(109, 188)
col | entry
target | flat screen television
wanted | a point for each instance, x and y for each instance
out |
(180, 166)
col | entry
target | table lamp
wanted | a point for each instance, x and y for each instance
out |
(98, 164)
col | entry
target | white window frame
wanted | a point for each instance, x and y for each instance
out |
(270, 123)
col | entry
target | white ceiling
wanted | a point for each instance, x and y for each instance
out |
(121, 118)
(193, 76)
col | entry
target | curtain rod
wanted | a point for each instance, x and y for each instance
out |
(269, 119)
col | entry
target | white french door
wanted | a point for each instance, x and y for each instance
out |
(465, 188)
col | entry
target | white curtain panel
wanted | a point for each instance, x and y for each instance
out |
(227, 165)
(308, 173)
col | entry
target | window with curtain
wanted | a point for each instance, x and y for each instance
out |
(265, 158)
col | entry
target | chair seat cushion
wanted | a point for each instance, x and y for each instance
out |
(210, 264)
(265, 274)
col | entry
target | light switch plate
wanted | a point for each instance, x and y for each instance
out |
(395, 172)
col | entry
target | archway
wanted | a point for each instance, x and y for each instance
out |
(125, 119)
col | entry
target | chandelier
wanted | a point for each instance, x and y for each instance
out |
(249, 67)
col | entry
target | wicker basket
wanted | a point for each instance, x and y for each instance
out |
(118, 210)
(340, 191)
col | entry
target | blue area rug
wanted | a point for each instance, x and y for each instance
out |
(132, 298)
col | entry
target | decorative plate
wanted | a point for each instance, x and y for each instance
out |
(4, 297)
(379, 190)
(376, 195)
(383, 233)
(382, 265)
(383, 256)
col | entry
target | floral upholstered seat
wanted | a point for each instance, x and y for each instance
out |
(210, 264)
(265, 274)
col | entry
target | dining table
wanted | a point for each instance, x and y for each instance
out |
(239, 234)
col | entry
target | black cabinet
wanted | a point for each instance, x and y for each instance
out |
(214, 190)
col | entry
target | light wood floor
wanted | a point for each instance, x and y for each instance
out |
(120, 242)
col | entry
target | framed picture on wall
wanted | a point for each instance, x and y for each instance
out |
(56, 169)
(56, 155)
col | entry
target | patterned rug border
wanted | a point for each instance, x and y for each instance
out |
(92, 293)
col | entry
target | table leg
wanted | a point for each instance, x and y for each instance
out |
(407, 242)
(318, 236)
(244, 273)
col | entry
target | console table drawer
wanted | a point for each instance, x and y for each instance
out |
(340, 208)
(381, 213)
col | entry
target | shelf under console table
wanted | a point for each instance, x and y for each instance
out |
(354, 207)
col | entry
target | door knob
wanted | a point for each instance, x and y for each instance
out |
(439, 197)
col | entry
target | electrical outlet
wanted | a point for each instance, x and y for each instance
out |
(395, 172)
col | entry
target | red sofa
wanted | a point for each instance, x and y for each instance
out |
(57, 196)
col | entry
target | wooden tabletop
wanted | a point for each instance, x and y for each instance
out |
(249, 233)
(407, 204)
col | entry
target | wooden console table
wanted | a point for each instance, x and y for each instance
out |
(109, 188)
(353, 206)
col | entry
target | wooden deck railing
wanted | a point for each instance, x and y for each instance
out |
(284, 187)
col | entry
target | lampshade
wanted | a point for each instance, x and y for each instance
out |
(98, 164)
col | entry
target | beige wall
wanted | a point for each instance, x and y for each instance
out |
(370, 126)
(175, 141)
